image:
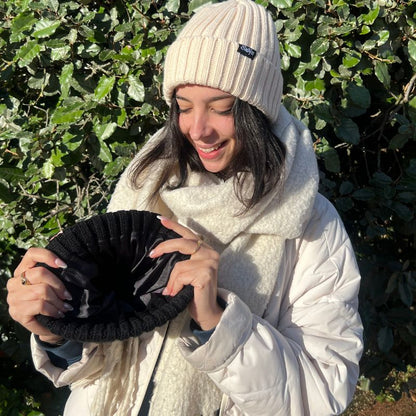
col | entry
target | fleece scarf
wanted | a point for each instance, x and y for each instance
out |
(251, 247)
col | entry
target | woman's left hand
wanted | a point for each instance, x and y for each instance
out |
(200, 271)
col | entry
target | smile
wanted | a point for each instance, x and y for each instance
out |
(211, 149)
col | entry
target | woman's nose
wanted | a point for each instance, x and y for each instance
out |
(199, 127)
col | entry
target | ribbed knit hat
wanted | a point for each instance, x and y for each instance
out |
(115, 286)
(231, 46)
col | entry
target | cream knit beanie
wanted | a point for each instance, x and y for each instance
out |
(231, 46)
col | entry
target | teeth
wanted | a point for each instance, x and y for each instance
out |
(211, 149)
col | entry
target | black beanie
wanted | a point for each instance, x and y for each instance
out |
(115, 286)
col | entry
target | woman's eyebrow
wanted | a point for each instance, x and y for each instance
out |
(218, 98)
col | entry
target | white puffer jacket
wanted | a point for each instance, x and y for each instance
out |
(301, 358)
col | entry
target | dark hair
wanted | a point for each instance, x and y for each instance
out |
(259, 152)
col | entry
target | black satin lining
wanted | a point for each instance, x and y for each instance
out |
(112, 277)
(112, 290)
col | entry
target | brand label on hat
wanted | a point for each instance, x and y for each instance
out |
(246, 51)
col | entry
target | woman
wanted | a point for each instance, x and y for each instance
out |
(273, 328)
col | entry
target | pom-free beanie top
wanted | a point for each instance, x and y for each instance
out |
(231, 46)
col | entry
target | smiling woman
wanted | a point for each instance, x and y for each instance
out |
(273, 323)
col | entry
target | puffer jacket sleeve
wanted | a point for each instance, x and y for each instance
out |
(302, 357)
(84, 368)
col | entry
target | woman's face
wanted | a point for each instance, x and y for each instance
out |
(206, 119)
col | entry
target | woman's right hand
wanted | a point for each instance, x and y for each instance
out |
(43, 293)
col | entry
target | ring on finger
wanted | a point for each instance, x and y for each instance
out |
(24, 280)
(198, 246)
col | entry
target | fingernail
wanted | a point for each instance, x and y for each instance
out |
(161, 217)
(60, 263)
(67, 295)
(68, 307)
(165, 292)
(60, 314)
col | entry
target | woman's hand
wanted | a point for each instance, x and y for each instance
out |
(35, 290)
(200, 271)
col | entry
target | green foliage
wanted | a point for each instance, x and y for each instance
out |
(80, 92)
(14, 402)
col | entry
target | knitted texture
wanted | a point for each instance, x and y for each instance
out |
(115, 286)
(231, 46)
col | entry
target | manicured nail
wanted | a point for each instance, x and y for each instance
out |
(67, 295)
(165, 291)
(60, 314)
(68, 307)
(60, 263)
(161, 217)
(152, 253)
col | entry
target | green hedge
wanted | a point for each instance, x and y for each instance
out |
(80, 92)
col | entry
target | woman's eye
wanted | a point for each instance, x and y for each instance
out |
(183, 110)
(225, 112)
(222, 112)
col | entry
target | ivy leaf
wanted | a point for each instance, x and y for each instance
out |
(104, 131)
(369, 44)
(319, 46)
(45, 28)
(136, 89)
(11, 174)
(402, 211)
(104, 87)
(359, 95)
(370, 17)
(385, 339)
(172, 5)
(20, 24)
(48, 169)
(381, 180)
(411, 47)
(398, 141)
(348, 131)
(364, 194)
(382, 73)
(293, 50)
(383, 37)
(105, 152)
(405, 291)
(351, 59)
(66, 78)
(316, 84)
(71, 141)
(27, 53)
(392, 283)
(67, 113)
(346, 188)
(331, 160)
(60, 54)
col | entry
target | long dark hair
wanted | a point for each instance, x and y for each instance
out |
(259, 152)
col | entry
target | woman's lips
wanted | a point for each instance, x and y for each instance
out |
(210, 152)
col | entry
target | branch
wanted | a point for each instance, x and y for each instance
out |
(408, 88)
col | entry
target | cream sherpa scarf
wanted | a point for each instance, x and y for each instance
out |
(251, 247)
